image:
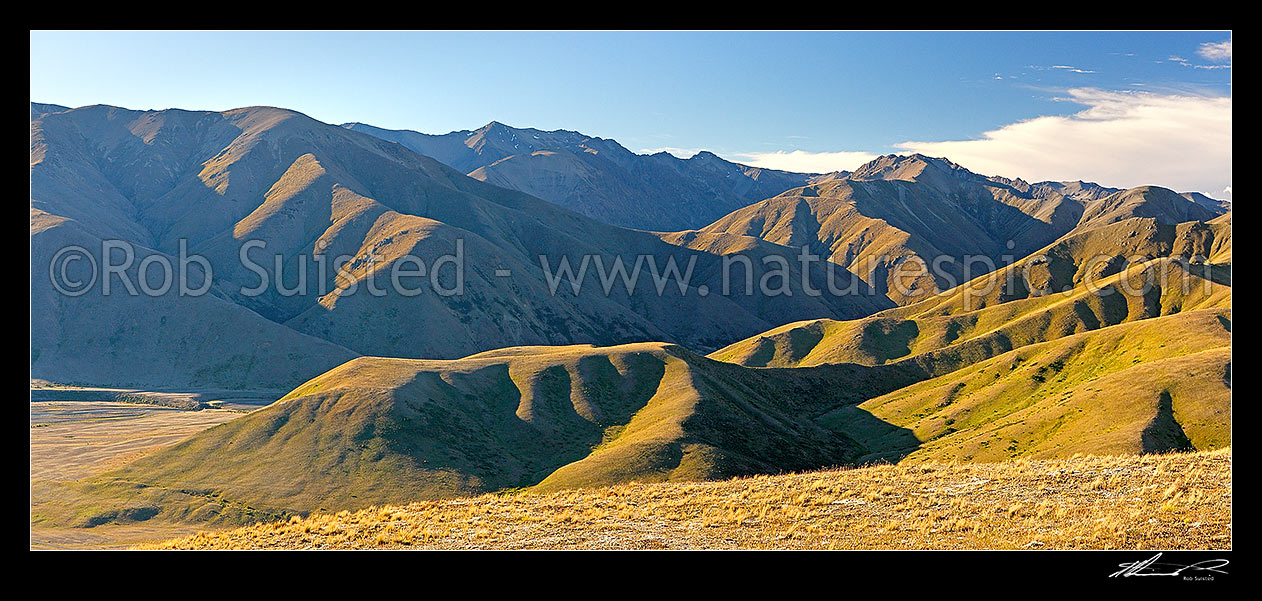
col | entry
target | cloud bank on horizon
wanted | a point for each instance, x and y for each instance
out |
(806, 162)
(1121, 139)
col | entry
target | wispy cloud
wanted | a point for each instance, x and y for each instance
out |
(804, 162)
(1071, 69)
(1215, 51)
(1182, 141)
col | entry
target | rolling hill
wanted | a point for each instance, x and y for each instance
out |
(378, 430)
(1155, 385)
(1131, 270)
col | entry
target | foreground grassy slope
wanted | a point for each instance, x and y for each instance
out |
(1124, 272)
(380, 430)
(1176, 501)
(393, 430)
(1150, 386)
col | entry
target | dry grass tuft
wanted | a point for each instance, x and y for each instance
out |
(1177, 501)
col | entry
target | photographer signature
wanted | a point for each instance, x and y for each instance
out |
(1150, 567)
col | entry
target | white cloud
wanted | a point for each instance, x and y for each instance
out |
(805, 162)
(1121, 139)
(1216, 51)
(1071, 68)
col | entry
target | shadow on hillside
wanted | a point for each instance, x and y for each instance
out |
(1164, 434)
(829, 395)
(882, 441)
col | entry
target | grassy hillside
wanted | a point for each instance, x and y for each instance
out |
(1128, 271)
(1149, 386)
(380, 430)
(1177, 501)
(1093, 254)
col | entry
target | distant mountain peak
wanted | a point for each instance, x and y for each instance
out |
(598, 176)
(706, 155)
(909, 167)
(499, 127)
(39, 109)
(496, 127)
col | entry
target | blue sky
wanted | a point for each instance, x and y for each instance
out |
(809, 101)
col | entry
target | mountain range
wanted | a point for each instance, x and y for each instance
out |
(598, 177)
(215, 182)
(907, 206)
(892, 218)
(1101, 325)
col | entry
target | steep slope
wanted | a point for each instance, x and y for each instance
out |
(378, 430)
(1077, 190)
(319, 198)
(1136, 269)
(40, 109)
(1155, 385)
(913, 226)
(891, 218)
(1213, 204)
(155, 341)
(1093, 256)
(127, 337)
(1154, 202)
(598, 177)
(1221, 253)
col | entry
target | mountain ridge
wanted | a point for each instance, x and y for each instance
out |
(309, 190)
(598, 176)
(892, 218)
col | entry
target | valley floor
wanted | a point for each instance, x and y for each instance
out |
(1178, 501)
(72, 439)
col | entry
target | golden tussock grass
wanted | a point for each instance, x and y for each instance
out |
(1177, 501)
